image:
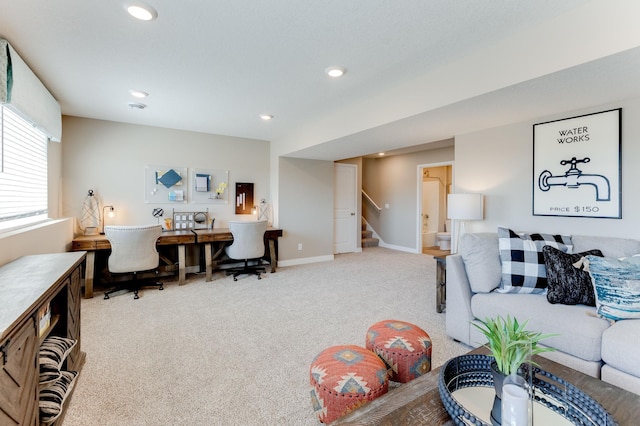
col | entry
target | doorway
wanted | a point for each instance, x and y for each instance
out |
(434, 183)
(344, 208)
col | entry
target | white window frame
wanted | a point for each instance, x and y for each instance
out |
(23, 172)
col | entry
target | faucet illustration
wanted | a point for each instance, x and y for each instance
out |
(574, 177)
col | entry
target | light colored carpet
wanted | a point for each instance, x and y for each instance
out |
(238, 353)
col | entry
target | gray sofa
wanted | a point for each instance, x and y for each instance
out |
(590, 344)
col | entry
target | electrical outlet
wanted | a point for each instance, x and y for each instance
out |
(387, 206)
(299, 246)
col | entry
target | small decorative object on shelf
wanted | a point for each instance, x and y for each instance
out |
(220, 190)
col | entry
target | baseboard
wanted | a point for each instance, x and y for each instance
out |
(399, 248)
(305, 260)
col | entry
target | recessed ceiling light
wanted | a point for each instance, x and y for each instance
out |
(138, 94)
(142, 11)
(266, 117)
(136, 105)
(335, 71)
(381, 154)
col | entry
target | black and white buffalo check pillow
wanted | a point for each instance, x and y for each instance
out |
(522, 260)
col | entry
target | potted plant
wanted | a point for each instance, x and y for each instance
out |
(511, 346)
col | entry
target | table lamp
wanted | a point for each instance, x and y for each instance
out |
(463, 207)
(111, 214)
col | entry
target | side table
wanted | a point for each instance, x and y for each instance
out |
(440, 256)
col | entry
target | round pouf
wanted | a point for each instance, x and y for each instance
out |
(343, 378)
(404, 347)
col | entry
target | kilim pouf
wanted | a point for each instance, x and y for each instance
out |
(343, 378)
(404, 347)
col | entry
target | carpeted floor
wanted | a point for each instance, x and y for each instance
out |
(238, 353)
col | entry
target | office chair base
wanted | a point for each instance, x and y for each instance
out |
(246, 269)
(134, 287)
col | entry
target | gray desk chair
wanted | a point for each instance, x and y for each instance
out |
(248, 245)
(133, 250)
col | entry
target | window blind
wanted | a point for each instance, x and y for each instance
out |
(23, 172)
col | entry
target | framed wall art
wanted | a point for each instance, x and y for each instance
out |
(208, 186)
(165, 184)
(244, 198)
(577, 166)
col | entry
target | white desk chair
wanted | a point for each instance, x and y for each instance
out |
(133, 250)
(248, 245)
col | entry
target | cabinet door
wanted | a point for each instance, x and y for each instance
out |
(19, 377)
(73, 318)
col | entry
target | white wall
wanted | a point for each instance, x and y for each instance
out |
(110, 158)
(498, 163)
(306, 210)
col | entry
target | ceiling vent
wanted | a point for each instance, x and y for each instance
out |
(136, 105)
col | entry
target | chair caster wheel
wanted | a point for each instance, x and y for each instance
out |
(235, 279)
(259, 277)
(106, 296)
(161, 288)
(135, 296)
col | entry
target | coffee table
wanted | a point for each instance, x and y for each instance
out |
(418, 402)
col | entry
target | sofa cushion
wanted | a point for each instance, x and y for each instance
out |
(579, 329)
(481, 261)
(609, 246)
(522, 261)
(617, 286)
(620, 346)
(568, 284)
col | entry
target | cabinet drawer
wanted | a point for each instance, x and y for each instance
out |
(19, 376)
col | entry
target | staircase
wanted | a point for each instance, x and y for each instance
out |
(367, 237)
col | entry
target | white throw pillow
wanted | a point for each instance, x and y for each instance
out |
(481, 261)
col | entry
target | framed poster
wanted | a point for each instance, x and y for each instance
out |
(577, 166)
(244, 198)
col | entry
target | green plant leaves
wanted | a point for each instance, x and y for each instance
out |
(509, 342)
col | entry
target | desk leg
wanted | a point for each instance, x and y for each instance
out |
(88, 274)
(441, 284)
(182, 262)
(207, 261)
(273, 255)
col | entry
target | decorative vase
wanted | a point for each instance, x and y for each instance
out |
(498, 380)
(515, 409)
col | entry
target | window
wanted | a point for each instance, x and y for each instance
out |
(23, 171)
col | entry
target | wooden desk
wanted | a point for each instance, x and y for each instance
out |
(92, 243)
(208, 237)
(222, 236)
(418, 402)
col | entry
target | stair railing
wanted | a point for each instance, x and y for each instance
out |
(370, 200)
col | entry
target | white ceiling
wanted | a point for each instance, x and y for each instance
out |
(214, 66)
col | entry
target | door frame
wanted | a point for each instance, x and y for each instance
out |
(419, 171)
(356, 231)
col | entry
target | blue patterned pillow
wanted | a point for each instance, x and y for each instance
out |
(523, 269)
(616, 284)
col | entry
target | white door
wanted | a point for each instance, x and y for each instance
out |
(344, 208)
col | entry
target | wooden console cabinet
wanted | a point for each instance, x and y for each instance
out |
(27, 285)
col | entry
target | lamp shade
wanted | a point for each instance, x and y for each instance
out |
(464, 206)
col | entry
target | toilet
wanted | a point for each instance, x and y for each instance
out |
(444, 238)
